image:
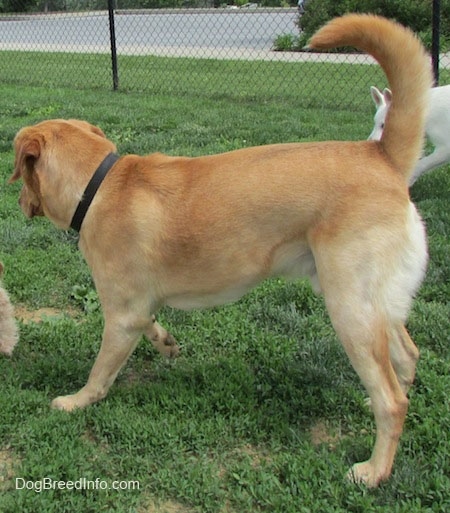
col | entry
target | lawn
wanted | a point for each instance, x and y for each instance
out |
(262, 411)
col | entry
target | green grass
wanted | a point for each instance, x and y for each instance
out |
(262, 411)
(210, 78)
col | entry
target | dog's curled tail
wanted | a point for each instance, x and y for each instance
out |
(408, 70)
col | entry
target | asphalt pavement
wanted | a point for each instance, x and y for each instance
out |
(204, 33)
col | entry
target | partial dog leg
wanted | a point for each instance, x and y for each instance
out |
(404, 355)
(368, 351)
(119, 341)
(439, 157)
(364, 332)
(8, 328)
(161, 339)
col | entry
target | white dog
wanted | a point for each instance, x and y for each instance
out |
(8, 328)
(437, 126)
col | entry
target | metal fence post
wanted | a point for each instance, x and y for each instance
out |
(435, 39)
(112, 37)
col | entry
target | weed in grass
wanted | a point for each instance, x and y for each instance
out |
(87, 297)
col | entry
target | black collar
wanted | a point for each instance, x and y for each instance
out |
(91, 189)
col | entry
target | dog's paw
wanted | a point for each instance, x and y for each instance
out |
(65, 403)
(171, 346)
(162, 340)
(365, 473)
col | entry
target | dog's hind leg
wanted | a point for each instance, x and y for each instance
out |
(364, 335)
(368, 282)
(161, 339)
(404, 355)
(366, 304)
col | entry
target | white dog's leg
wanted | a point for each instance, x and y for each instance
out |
(439, 157)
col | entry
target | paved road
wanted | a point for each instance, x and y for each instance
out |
(213, 33)
(229, 29)
(206, 33)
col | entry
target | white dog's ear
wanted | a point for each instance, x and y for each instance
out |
(28, 150)
(387, 94)
(377, 97)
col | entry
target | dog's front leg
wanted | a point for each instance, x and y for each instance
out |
(117, 345)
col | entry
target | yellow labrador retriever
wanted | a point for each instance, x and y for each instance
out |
(198, 232)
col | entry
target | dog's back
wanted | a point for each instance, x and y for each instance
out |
(408, 70)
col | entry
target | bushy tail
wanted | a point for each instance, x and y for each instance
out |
(408, 70)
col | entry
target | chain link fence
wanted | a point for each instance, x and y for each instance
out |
(217, 51)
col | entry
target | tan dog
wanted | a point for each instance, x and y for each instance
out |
(198, 232)
(8, 327)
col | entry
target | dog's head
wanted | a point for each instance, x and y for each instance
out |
(382, 100)
(55, 159)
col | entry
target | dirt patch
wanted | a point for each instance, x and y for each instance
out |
(28, 316)
(164, 507)
(321, 434)
(7, 464)
(175, 507)
(257, 456)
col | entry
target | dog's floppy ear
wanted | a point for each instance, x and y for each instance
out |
(28, 149)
